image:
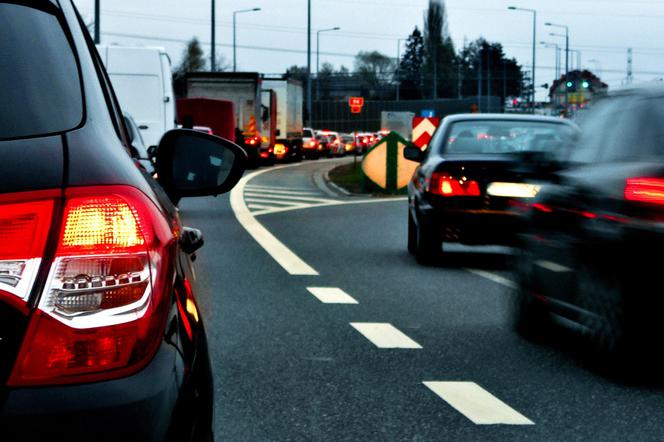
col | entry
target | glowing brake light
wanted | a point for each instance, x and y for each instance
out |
(445, 185)
(103, 309)
(645, 190)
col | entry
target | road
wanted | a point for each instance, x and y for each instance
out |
(414, 353)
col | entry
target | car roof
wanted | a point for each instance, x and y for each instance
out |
(505, 117)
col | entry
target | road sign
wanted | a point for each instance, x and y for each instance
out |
(385, 165)
(356, 101)
(356, 109)
(428, 113)
(423, 129)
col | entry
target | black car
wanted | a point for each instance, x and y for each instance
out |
(590, 255)
(470, 177)
(100, 334)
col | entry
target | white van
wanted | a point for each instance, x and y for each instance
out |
(143, 83)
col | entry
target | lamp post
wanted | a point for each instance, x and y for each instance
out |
(97, 24)
(213, 38)
(557, 48)
(534, 12)
(399, 67)
(309, 119)
(235, 13)
(336, 28)
(566, 28)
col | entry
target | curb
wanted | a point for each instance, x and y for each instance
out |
(322, 181)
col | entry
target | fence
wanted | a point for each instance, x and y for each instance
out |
(336, 115)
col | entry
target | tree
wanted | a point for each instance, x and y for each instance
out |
(192, 61)
(482, 60)
(440, 65)
(410, 67)
(373, 68)
(297, 73)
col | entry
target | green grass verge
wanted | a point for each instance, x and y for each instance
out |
(351, 178)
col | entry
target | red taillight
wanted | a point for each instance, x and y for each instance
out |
(645, 190)
(445, 185)
(24, 228)
(103, 309)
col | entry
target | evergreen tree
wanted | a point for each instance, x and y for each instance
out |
(440, 67)
(410, 67)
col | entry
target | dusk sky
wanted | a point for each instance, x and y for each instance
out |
(273, 39)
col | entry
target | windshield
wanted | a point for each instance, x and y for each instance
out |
(40, 91)
(490, 137)
(307, 133)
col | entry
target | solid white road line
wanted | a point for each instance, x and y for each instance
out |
(477, 404)
(277, 188)
(287, 197)
(275, 248)
(334, 203)
(274, 203)
(331, 295)
(281, 192)
(553, 266)
(493, 277)
(384, 335)
(259, 207)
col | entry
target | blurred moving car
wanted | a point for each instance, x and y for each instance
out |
(589, 257)
(310, 145)
(469, 177)
(101, 337)
(365, 141)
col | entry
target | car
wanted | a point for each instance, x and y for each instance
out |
(364, 141)
(348, 142)
(310, 145)
(588, 255)
(101, 337)
(136, 143)
(334, 145)
(469, 176)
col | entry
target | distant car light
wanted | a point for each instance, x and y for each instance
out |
(513, 190)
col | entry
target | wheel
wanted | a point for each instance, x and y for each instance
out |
(412, 234)
(606, 322)
(428, 246)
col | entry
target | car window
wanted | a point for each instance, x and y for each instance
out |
(41, 88)
(307, 133)
(634, 133)
(505, 136)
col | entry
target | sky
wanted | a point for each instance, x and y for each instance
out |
(271, 40)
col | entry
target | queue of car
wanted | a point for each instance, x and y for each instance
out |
(581, 207)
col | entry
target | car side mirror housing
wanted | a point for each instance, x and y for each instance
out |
(413, 153)
(192, 163)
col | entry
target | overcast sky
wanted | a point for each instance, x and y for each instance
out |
(273, 39)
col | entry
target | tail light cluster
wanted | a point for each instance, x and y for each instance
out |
(645, 190)
(102, 311)
(444, 184)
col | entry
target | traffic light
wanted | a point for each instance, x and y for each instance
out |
(585, 84)
(570, 85)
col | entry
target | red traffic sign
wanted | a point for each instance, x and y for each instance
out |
(356, 102)
(356, 109)
(423, 129)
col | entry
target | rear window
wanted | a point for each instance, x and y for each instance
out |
(307, 133)
(489, 137)
(41, 91)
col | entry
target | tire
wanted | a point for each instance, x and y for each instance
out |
(412, 234)
(606, 324)
(428, 246)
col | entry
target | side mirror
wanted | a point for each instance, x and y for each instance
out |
(413, 153)
(191, 163)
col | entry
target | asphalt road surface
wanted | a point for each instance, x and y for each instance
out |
(322, 327)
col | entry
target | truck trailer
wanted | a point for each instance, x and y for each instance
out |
(287, 97)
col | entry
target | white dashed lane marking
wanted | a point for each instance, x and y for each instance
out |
(477, 404)
(384, 335)
(493, 277)
(331, 295)
(553, 266)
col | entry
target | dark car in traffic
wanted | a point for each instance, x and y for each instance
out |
(589, 256)
(101, 337)
(471, 175)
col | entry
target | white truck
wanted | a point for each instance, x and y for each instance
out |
(399, 122)
(289, 115)
(244, 89)
(143, 83)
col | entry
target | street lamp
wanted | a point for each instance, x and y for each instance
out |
(557, 48)
(534, 12)
(336, 28)
(399, 67)
(235, 13)
(566, 28)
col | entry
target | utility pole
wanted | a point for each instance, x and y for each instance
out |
(398, 71)
(213, 64)
(504, 83)
(97, 23)
(479, 83)
(566, 35)
(309, 118)
(630, 75)
(459, 81)
(488, 80)
(534, 12)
